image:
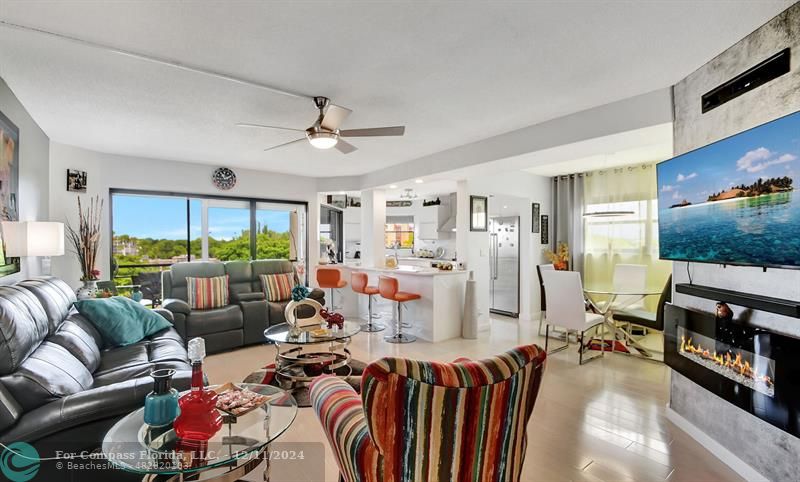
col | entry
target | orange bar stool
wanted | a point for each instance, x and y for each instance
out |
(358, 281)
(388, 288)
(330, 278)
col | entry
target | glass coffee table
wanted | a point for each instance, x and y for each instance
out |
(237, 449)
(299, 360)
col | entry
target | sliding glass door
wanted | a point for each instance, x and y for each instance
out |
(228, 230)
(280, 231)
(151, 231)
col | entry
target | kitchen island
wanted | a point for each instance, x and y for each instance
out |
(435, 317)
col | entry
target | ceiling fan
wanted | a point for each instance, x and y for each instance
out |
(324, 133)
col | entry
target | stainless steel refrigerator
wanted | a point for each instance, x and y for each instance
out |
(504, 265)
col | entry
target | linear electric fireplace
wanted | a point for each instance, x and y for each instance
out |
(752, 368)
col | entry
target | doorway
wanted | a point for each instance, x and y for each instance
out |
(331, 233)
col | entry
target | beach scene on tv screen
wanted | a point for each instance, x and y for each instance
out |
(734, 201)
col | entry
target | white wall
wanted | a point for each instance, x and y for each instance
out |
(373, 226)
(106, 171)
(522, 189)
(34, 146)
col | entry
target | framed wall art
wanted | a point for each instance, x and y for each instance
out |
(545, 229)
(478, 213)
(76, 180)
(337, 200)
(9, 187)
(535, 217)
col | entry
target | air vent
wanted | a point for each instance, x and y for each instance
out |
(768, 70)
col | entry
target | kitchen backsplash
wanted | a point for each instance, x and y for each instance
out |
(449, 246)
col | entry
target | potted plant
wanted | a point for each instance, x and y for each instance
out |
(85, 243)
(559, 258)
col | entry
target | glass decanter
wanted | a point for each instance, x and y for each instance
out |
(199, 418)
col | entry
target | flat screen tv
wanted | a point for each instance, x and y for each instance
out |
(734, 201)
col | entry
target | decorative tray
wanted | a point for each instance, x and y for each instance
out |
(237, 401)
(320, 333)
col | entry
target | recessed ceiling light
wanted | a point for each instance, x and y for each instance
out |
(419, 181)
(342, 192)
(393, 186)
(505, 207)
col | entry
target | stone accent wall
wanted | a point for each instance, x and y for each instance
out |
(769, 450)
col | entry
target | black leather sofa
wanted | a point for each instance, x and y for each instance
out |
(61, 389)
(240, 323)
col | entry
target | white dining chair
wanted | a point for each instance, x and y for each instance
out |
(543, 300)
(566, 308)
(629, 278)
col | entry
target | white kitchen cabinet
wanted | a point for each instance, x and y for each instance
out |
(352, 231)
(428, 230)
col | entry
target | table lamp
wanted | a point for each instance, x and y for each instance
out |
(34, 238)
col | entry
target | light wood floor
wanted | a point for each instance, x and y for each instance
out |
(603, 421)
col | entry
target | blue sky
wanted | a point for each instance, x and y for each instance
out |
(770, 150)
(165, 218)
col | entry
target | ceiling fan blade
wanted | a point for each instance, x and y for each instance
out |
(345, 147)
(285, 144)
(374, 132)
(334, 116)
(260, 126)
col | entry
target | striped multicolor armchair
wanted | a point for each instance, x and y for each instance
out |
(421, 421)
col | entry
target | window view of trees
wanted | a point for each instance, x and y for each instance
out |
(132, 250)
(145, 248)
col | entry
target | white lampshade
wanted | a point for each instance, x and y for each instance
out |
(33, 238)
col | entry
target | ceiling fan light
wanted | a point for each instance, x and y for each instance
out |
(322, 140)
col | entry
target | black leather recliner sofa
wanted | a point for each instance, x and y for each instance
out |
(60, 387)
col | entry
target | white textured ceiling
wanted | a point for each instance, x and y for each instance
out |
(453, 73)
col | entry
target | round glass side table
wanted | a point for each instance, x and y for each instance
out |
(299, 360)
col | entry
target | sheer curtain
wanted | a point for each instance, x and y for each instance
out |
(630, 238)
(568, 205)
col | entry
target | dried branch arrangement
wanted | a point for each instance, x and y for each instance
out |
(85, 241)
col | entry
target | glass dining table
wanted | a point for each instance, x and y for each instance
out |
(610, 304)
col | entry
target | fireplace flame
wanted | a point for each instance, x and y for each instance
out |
(727, 360)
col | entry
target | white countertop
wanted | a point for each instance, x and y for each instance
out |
(402, 269)
(420, 258)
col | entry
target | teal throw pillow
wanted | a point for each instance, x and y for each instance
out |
(120, 320)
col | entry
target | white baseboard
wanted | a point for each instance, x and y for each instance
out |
(726, 456)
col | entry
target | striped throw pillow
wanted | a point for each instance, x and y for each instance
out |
(277, 287)
(207, 293)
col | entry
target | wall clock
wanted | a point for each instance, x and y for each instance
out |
(223, 178)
